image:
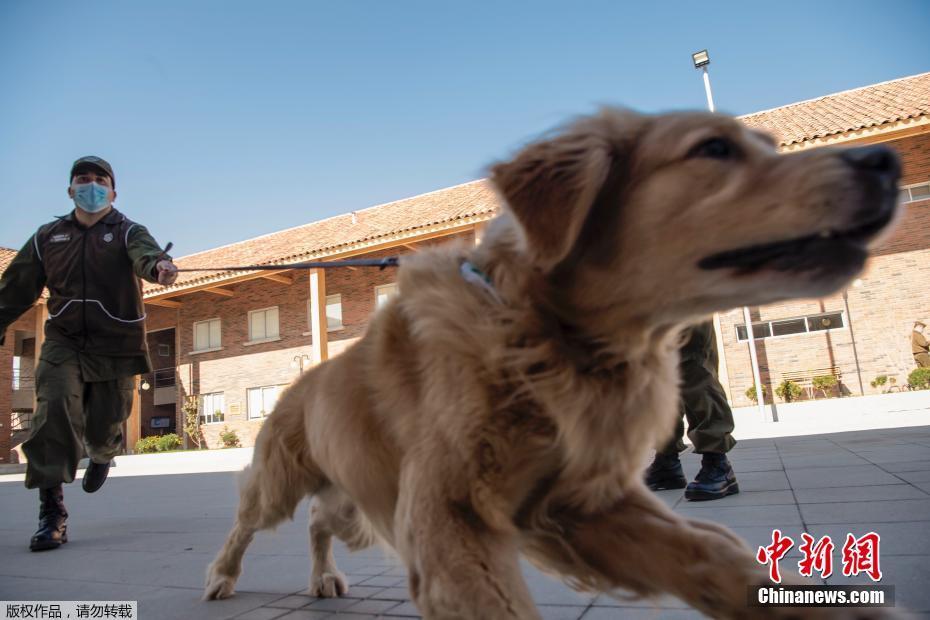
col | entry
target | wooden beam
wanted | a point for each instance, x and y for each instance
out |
(410, 246)
(225, 292)
(166, 303)
(277, 277)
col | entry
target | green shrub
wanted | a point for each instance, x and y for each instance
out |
(168, 442)
(751, 393)
(879, 381)
(789, 391)
(147, 445)
(229, 438)
(824, 383)
(919, 379)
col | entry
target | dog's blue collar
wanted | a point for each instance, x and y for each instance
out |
(477, 277)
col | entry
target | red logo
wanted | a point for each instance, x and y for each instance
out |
(773, 553)
(860, 555)
(817, 557)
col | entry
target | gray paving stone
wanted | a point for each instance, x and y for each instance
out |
(914, 476)
(867, 512)
(851, 476)
(363, 591)
(763, 481)
(777, 516)
(384, 581)
(294, 601)
(331, 604)
(865, 493)
(908, 574)
(263, 613)
(406, 610)
(907, 466)
(392, 594)
(764, 464)
(372, 607)
(746, 498)
(305, 614)
(902, 538)
(836, 459)
(634, 613)
(760, 536)
(173, 603)
(661, 602)
(561, 612)
(896, 454)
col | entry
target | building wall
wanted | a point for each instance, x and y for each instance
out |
(892, 294)
(239, 366)
(26, 323)
(149, 409)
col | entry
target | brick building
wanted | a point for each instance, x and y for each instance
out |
(232, 340)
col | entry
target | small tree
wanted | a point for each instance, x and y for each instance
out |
(824, 383)
(879, 381)
(751, 393)
(191, 411)
(229, 438)
(919, 379)
(789, 391)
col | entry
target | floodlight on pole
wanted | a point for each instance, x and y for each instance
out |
(701, 61)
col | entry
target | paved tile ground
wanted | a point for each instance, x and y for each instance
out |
(149, 538)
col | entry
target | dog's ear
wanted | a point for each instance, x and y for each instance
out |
(550, 187)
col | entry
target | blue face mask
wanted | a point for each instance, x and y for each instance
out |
(91, 197)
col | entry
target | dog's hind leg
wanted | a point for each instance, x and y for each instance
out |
(333, 514)
(280, 476)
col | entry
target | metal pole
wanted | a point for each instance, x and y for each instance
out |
(710, 95)
(853, 338)
(756, 378)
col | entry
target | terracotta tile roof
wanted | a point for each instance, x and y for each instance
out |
(446, 208)
(870, 106)
(860, 108)
(6, 257)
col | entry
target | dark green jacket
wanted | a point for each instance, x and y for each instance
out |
(95, 297)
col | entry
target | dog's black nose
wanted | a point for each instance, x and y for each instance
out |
(879, 160)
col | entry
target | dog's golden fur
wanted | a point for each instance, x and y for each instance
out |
(470, 426)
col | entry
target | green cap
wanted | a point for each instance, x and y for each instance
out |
(92, 163)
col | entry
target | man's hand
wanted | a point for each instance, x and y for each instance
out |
(167, 272)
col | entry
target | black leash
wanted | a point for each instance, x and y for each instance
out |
(380, 263)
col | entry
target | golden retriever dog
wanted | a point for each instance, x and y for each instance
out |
(507, 401)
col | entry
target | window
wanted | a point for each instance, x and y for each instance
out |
(164, 350)
(212, 408)
(207, 335)
(263, 324)
(262, 401)
(787, 327)
(913, 193)
(333, 313)
(383, 293)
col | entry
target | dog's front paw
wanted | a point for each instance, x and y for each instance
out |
(329, 585)
(218, 586)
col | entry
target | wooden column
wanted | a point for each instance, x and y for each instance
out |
(134, 422)
(319, 348)
(41, 311)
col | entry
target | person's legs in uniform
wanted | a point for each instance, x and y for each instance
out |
(710, 424)
(922, 359)
(55, 445)
(107, 404)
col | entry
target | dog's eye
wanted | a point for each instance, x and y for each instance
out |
(715, 148)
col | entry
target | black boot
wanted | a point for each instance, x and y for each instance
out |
(715, 480)
(94, 476)
(665, 473)
(53, 520)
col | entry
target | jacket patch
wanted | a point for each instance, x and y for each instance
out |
(108, 237)
(60, 238)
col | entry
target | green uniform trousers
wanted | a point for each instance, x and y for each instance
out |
(922, 359)
(74, 413)
(703, 401)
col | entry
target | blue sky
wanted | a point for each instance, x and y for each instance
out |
(227, 120)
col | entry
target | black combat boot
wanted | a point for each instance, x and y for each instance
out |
(95, 475)
(715, 480)
(665, 473)
(53, 520)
